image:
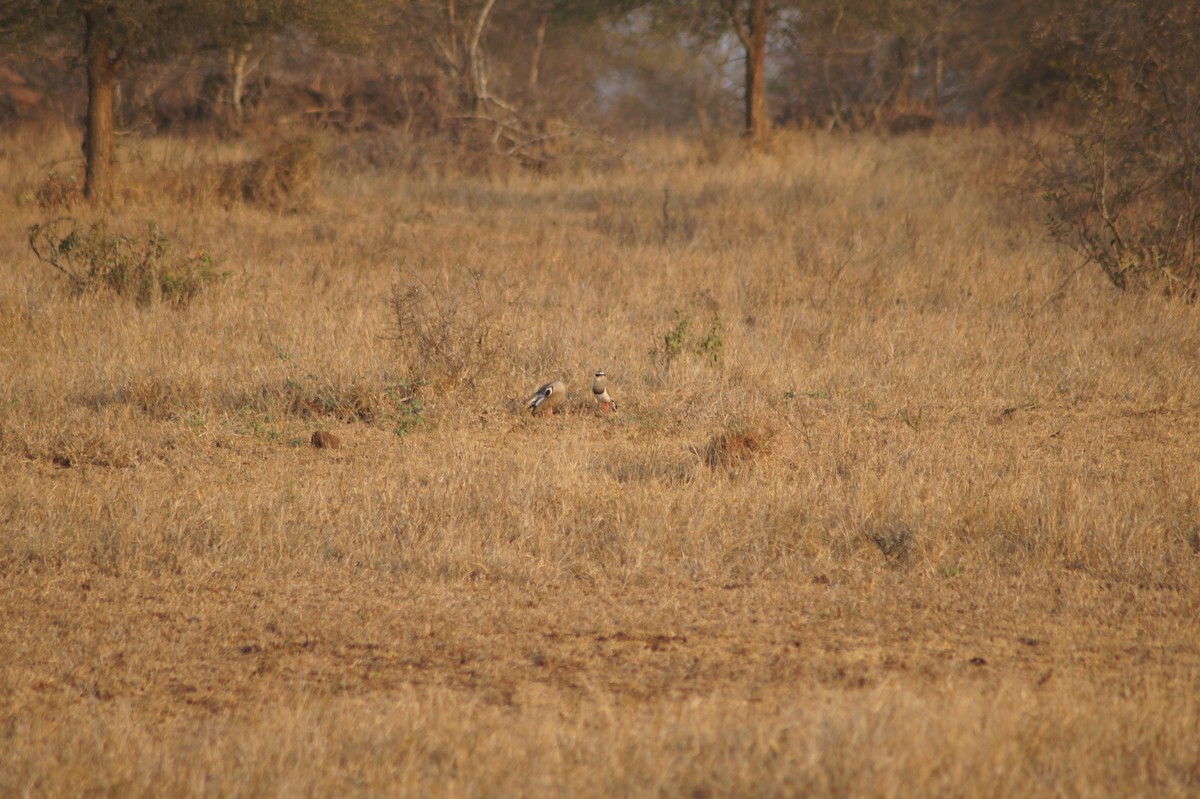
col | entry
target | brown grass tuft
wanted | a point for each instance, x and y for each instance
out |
(323, 439)
(284, 177)
(740, 442)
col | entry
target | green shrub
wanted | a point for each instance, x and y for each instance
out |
(679, 339)
(94, 258)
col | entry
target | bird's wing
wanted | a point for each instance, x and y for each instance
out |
(540, 396)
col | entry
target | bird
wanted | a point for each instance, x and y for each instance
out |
(547, 398)
(600, 391)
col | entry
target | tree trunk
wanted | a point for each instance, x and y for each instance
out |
(452, 33)
(753, 35)
(535, 62)
(935, 79)
(238, 59)
(477, 88)
(98, 137)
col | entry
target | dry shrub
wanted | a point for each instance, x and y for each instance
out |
(1124, 189)
(894, 540)
(283, 177)
(57, 193)
(446, 335)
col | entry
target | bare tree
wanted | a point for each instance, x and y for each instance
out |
(452, 34)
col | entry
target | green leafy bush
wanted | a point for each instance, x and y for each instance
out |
(680, 339)
(94, 258)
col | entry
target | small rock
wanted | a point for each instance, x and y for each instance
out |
(324, 440)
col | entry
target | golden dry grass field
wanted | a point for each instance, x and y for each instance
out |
(896, 501)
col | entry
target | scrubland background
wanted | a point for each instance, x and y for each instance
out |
(898, 500)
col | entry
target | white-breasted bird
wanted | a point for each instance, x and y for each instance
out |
(547, 398)
(600, 391)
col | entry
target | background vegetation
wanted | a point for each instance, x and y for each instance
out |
(542, 83)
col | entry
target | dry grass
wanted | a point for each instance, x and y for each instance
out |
(283, 177)
(924, 524)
